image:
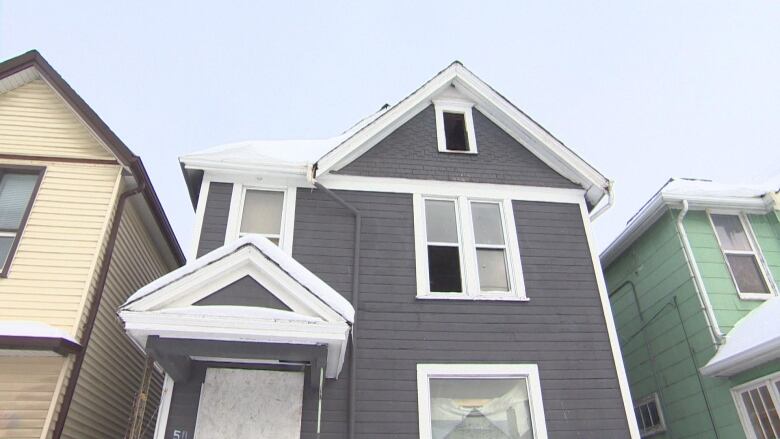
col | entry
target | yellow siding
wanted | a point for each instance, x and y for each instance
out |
(27, 385)
(55, 263)
(113, 368)
(35, 121)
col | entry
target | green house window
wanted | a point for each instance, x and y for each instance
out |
(740, 255)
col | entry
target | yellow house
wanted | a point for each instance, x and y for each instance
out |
(81, 228)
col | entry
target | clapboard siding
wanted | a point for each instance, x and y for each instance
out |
(53, 267)
(562, 327)
(411, 151)
(215, 217)
(27, 385)
(113, 367)
(35, 121)
(244, 292)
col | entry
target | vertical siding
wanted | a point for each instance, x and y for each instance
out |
(27, 385)
(562, 328)
(52, 269)
(35, 121)
(215, 217)
(113, 367)
(411, 151)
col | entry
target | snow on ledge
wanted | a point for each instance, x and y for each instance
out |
(754, 340)
(270, 250)
(26, 328)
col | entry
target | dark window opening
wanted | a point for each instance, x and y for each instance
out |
(455, 132)
(444, 269)
(17, 191)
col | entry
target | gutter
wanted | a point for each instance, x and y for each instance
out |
(352, 398)
(94, 307)
(610, 202)
(718, 337)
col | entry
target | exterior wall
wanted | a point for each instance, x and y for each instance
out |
(675, 343)
(27, 385)
(34, 120)
(113, 367)
(411, 151)
(57, 254)
(561, 328)
(215, 217)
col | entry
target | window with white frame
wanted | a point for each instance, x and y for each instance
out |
(17, 191)
(466, 248)
(455, 127)
(741, 256)
(480, 401)
(758, 404)
(649, 415)
(262, 213)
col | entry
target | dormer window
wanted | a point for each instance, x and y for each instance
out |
(267, 211)
(455, 127)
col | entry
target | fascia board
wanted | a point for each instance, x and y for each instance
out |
(251, 167)
(743, 361)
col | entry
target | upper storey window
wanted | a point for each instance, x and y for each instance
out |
(466, 249)
(261, 214)
(741, 256)
(455, 127)
(17, 191)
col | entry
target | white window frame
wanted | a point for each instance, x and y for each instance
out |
(469, 268)
(736, 392)
(288, 213)
(653, 397)
(457, 107)
(529, 372)
(755, 251)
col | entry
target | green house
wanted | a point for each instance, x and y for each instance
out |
(692, 284)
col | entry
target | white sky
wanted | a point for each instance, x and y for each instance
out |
(643, 91)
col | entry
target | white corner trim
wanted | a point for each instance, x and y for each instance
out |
(529, 372)
(459, 107)
(200, 211)
(614, 342)
(164, 410)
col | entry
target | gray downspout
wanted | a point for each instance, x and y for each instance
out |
(355, 303)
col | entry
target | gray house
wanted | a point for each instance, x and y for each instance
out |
(429, 273)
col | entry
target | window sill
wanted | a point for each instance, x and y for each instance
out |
(447, 151)
(468, 298)
(755, 296)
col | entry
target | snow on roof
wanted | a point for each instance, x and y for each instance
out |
(26, 328)
(286, 152)
(754, 340)
(707, 192)
(293, 268)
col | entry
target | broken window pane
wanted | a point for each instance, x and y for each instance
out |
(731, 233)
(455, 132)
(444, 269)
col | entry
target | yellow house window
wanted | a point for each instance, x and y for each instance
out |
(17, 191)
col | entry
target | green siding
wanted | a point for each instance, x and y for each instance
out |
(664, 357)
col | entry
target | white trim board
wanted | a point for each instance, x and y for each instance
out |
(529, 372)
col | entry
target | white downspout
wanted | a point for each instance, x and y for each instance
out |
(701, 291)
(610, 202)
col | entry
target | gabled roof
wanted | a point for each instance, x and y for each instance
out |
(332, 154)
(163, 290)
(753, 341)
(700, 194)
(29, 66)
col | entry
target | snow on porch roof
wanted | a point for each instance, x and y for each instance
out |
(293, 268)
(753, 341)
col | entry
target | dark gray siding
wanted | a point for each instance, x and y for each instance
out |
(212, 232)
(411, 152)
(562, 328)
(244, 292)
(184, 404)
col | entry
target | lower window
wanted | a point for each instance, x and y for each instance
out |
(480, 401)
(649, 416)
(758, 404)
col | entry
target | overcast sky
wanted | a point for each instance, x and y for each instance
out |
(643, 91)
